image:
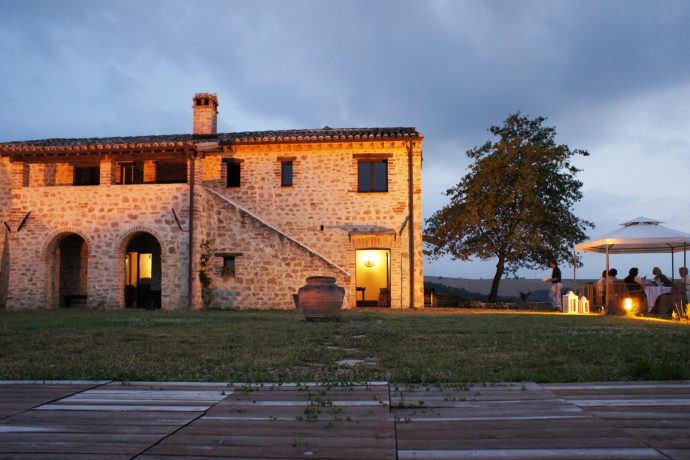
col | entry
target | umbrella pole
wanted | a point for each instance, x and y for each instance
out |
(606, 282)
(673, 268)
(574, 270)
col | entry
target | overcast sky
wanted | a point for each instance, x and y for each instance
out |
(613, 78)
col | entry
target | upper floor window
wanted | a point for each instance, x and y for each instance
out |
(233, 173)
(372, 176)
(132, 172)
(89, 175)
(171, 172)
(286, 173)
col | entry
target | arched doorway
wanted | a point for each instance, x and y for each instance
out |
(69, 265)
(143, 272)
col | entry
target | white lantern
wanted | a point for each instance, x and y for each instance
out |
(583, 305)
(570, 302)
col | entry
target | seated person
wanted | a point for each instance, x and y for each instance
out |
(685, 283)
(660, 279)
(601, 288)
(635, 288)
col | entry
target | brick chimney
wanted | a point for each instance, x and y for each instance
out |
(205, 113)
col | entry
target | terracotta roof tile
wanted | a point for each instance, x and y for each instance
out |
(180, 140)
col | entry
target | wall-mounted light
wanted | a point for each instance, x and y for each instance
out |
(368, 262)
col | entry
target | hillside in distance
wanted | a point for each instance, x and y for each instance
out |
(509, 287)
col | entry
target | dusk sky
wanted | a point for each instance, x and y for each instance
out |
(613, 77)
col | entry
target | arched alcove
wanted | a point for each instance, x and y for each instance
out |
(68, 263)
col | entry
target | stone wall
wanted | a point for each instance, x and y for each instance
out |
(269, 266)
(283, 234)
(5, 211)
(106, 217)
(324, 197)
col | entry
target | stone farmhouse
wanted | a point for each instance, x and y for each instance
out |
(217, 220)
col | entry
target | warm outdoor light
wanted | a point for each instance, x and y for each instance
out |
(627, 304)
(368, 263)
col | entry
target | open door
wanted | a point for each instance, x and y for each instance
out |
(143, 273)
(372, 275)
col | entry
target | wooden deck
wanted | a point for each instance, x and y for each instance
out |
(114, 420)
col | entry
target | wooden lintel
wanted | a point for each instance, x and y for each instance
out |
(372, 156)
(228, 254)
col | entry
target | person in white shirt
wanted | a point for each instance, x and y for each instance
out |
(685, 281)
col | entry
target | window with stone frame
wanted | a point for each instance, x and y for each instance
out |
(228, 266)
(372, 176)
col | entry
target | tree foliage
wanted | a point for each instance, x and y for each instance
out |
(516, 202)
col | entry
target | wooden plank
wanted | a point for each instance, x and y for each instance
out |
(97, 418)
(71, 448)
(332, 439)
(120, 408)
(622, 441)
(72, 456)
(291, 450)
(531, 454)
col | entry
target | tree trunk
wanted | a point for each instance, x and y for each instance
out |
(500, 266)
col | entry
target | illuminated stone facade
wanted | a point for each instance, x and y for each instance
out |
(268, 209)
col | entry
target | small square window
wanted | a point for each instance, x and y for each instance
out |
(372, 176)
(286, 173)
(229, 266)
(90, 175)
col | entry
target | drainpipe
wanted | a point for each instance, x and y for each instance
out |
(192, 166)
(410, 228)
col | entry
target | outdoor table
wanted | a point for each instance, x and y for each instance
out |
(653, 292)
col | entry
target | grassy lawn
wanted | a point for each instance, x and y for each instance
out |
(280, 346)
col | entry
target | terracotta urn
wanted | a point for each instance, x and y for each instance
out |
(320, 298)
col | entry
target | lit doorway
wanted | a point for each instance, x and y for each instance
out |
(372, 275)
(143, 272)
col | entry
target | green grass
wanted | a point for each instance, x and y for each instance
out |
(415, 347)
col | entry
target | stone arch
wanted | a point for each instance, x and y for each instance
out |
(66, 253)
(57, 234)
(125, 238)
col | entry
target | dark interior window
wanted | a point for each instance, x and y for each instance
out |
(90, 175)
(233, 174)
(286, 173)
(171, 172)
(373, 176)
(132, 173)
(229, 266)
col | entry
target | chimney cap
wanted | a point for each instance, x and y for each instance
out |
(206, 99)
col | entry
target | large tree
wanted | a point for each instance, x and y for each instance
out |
(516, 202)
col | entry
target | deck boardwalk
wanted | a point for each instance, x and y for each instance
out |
(148, 420)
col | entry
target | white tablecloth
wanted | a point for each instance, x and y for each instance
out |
(653, 292)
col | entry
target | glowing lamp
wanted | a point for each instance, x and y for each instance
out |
(627, 304)
(369, 263)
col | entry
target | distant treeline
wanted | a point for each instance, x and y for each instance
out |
(462, 293)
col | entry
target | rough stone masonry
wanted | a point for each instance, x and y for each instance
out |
(208, 219)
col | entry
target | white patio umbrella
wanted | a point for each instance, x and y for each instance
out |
(637, 236)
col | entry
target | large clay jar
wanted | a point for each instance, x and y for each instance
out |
(321, 298)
